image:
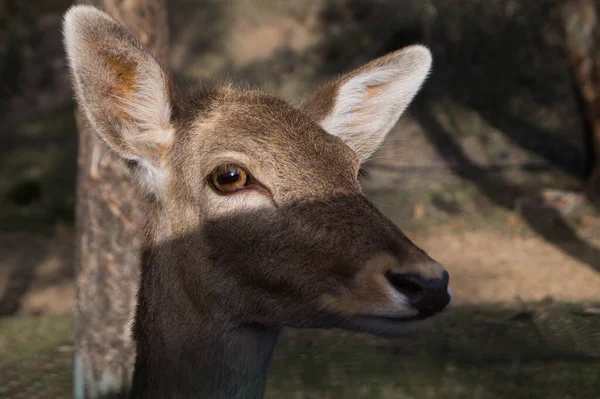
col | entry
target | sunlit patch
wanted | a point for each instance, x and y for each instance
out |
(239, 202)
(370, 292)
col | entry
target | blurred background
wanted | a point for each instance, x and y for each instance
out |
(489, 171)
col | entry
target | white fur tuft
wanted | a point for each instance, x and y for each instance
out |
(76, 20)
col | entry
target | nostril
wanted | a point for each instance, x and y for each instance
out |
(428, 296)
(408, 284)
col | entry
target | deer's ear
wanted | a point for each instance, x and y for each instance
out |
(362, 106)
(121, 88)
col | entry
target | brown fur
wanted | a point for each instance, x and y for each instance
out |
(301, 246)
(322, 101)
(125, 74)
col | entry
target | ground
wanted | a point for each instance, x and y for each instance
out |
(546, 350)
(485, 172)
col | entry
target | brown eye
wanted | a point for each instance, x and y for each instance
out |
(229, 178)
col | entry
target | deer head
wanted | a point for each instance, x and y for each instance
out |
(258, 217)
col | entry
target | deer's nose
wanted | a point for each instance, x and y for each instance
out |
(428, 296)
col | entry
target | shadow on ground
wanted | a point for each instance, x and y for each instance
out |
(547, 222)
(544, 350)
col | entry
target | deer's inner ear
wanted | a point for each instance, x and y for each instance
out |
(364, 105)
(124, 72)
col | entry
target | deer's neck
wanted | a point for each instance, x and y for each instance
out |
(185, 351)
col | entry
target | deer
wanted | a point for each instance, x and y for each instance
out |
(257, 219)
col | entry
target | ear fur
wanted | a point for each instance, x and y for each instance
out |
(362, 106)
(121, 88)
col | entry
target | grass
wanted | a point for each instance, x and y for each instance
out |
(545, 351)
(35, 357)
(550, 352)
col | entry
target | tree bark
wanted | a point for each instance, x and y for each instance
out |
(109, 214)
(582, 39)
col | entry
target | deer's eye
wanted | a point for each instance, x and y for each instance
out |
(229, 178)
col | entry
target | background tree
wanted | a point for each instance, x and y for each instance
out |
(580, 18)
(109, 212)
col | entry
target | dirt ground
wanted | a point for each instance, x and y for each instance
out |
(493, 267)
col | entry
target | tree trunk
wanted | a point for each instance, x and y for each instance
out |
(582, 34)
(109, 213)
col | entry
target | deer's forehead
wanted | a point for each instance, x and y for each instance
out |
(269, 129)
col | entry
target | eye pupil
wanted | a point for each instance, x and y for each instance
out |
(229, 178)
